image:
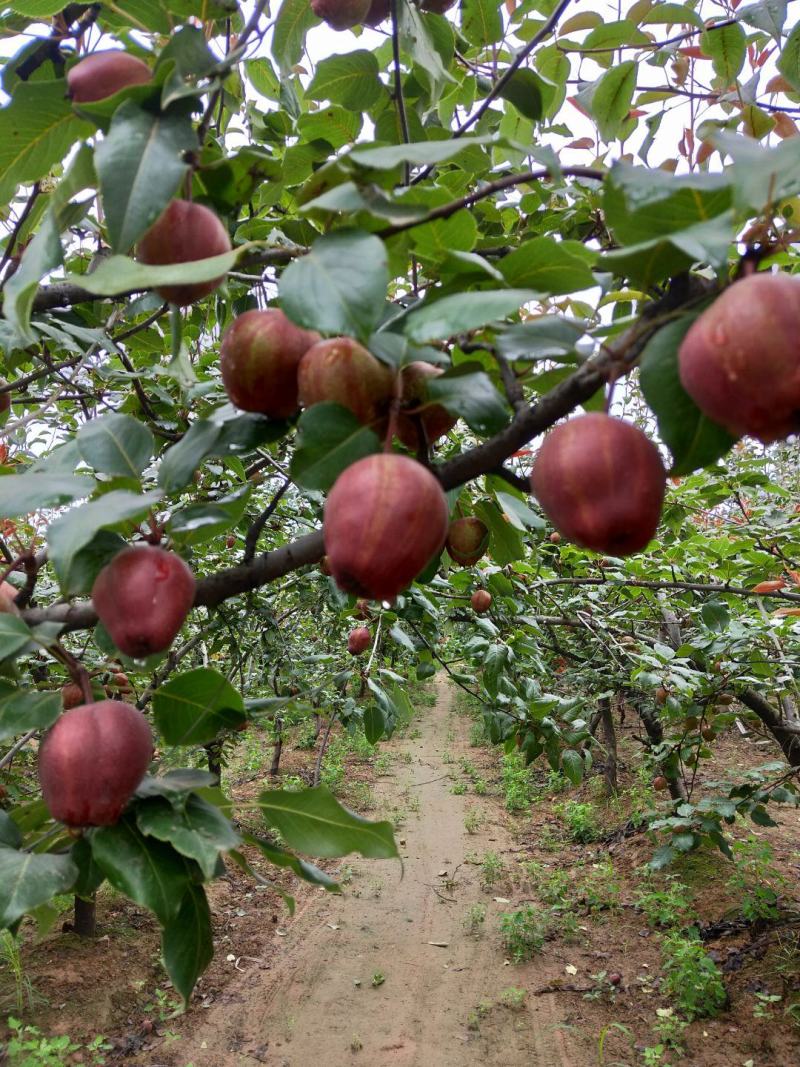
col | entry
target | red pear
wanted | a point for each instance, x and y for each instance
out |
(379, 11)
(103, 74)
(8, 595)
(92, 760)
(341, 14)
(71, 696)
(259, 357)
(601, 482)
(358, 641)
(142, 597)
(436, 420)
(183, 233)
(481, 601)
(341, 371)
(740, 360)
(385, 519)
(467, 540)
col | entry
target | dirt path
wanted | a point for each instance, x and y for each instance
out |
(319, 1006)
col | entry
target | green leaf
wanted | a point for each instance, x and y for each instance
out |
(417, 41)
(329, 439)
(71, 532)
(14, 635)
(572, 765)
(20, 494)
(652, 261)
(727, 46)
(418, 153)
(789, 61)
(716, 615)
(194, 707)
(22, 710)
(437, 320)
(174, 785)
(548, 337)
(506, 544)
(313, 821)
(294, 20)
(140, 163)
(768, 15)
(692, 438)
(118, 274)
(340, 286)
(10, 837)
(200, 522)
(302, 868)
(469, 393)
(37, 9)
(187, 942)
(198, 830)
(151, 873)
(609, 98)
(227, 430)
(350, 79)
(546, 266)
(481, 22)
(116, 444)
(90, 877)
(374, 724)
(37, 129)
(30, 879)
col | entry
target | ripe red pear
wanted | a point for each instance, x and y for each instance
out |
(358, 641)
(91, 761)
(103, 74)
(341, 14)
(183, 233)
(341, 371)
(740, 360)
(259, 357)
(142, 597)
(8, 596)
(436, 420)
(467, 540)
(481, 601)
(386, 517)
(71, 696)
(660, 782)
(601, 482)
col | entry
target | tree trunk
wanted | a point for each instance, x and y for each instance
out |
(655, 735)
(84, 922)
(788, 738)
(276, 752)
(610, 744)
(322, 749)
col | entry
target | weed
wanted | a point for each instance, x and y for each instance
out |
(474, 919)
(477, 734)
(553, 886)
(360, 796)
(670, 1029)
(600, 889)
(691, 978)
(458, 788)
(382, 763)
(556, 782)
(580, 820)
(28, 1047)
(356, 1044)
(670, 906)
(523, 932)
(603, 988)
(10, 956)
(755, 880)
(414, 803)
(468, 767)
(764, 1003)
(378, 979)
(480, 785)
(307, 736)
(513, 998)
(492, 869)
(162, 1006)
(472, 821)
(517, 782)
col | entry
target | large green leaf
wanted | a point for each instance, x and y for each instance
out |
(330, 438)
(118, 274)
(468, 392)
(71, 532)
(14, 635)
(609, 98)
(302, 868)
(198, 830)
(116, 444)
(150, 872)
(37, 129)
(481, 22)
(313, 821)
(727, 46)
(294, 20)
(140, 163)
(187, 942)
(23, 710)
(789, 60)
(438, 319)
(20, 494)
(694, 440)
(350, 79)
(340, 286)
(30, 879)
(546, 266)
(194, 707)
